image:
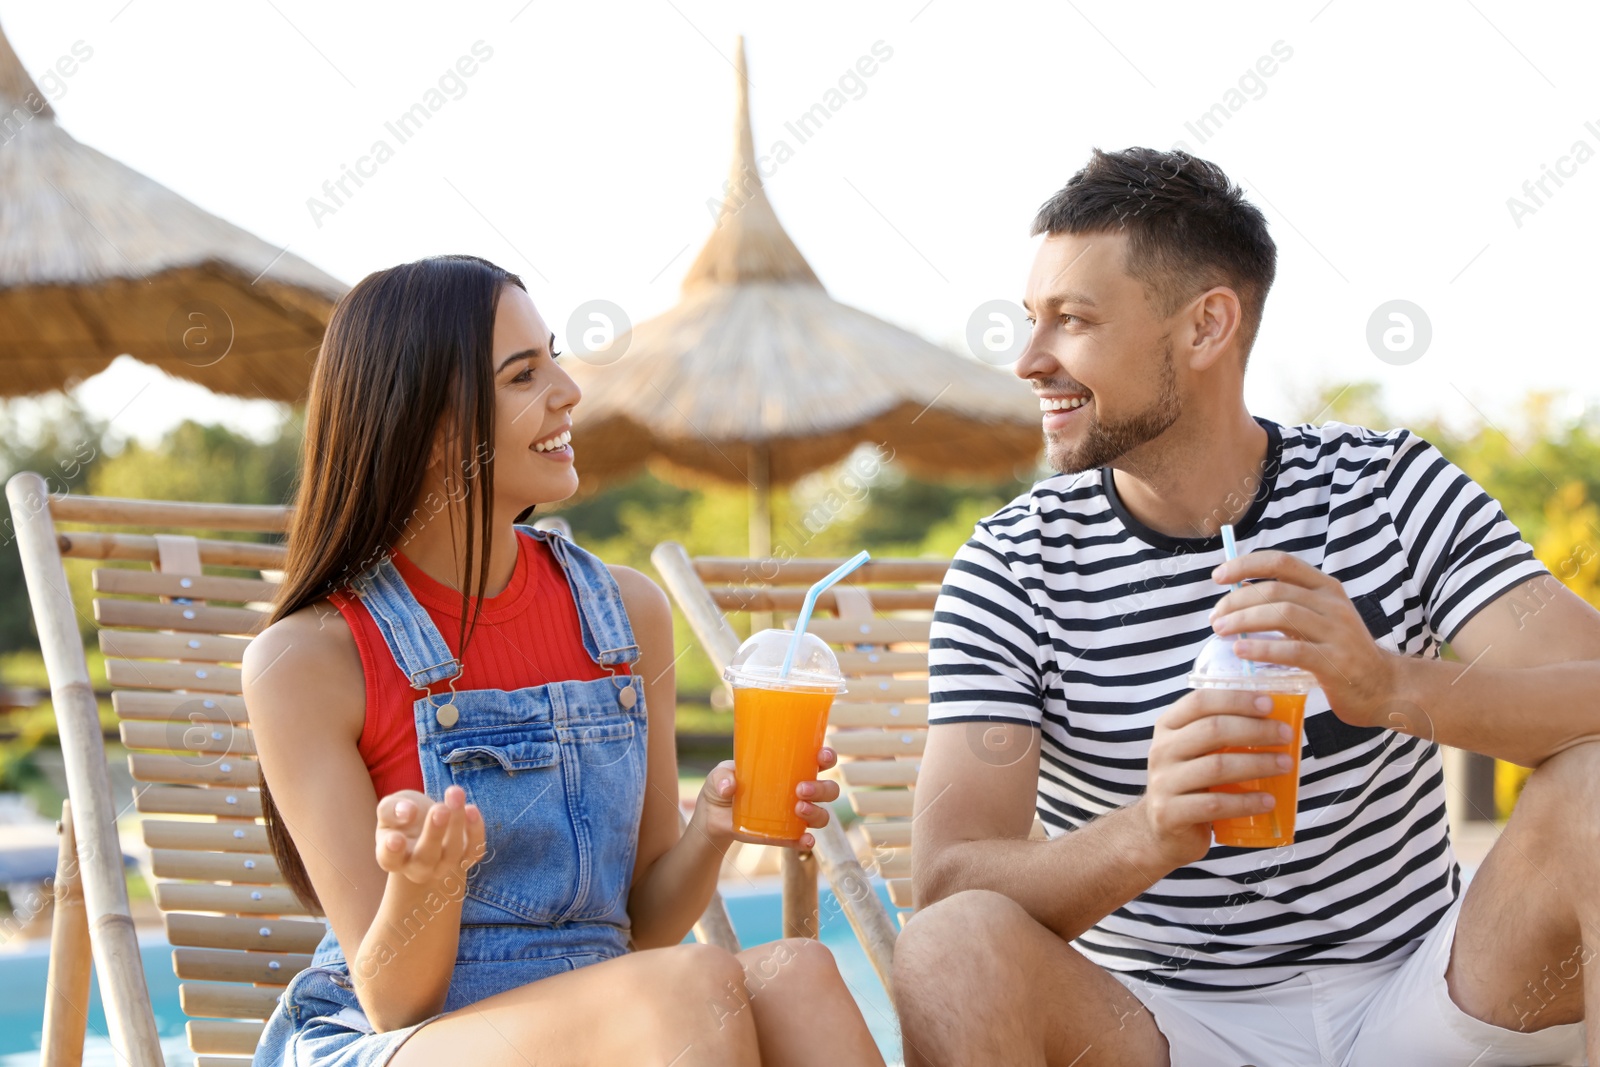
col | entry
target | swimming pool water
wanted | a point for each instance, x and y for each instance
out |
(756, 911)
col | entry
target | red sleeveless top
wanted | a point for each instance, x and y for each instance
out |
(527, 635)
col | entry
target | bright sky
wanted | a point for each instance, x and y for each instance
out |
(1383, 146)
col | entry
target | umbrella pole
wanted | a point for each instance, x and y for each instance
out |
(760, 503)
(760, 519)
(799, 865)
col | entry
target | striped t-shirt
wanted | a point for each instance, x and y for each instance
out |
(1066, 613)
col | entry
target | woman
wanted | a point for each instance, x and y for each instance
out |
(480, 790)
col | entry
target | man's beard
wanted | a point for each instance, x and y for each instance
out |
(1104, 443)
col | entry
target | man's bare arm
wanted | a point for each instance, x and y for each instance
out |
(975, 802)
(1526, 687)
(1528, 682)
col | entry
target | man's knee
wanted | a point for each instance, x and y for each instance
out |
(1561, 798)
(957, 932)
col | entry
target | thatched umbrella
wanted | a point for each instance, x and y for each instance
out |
(758, 377)
(96, 260)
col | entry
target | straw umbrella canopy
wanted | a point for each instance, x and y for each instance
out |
(97, 260)
(758, 377)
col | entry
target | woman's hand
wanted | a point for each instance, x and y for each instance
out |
(429, 842)
(716, 801)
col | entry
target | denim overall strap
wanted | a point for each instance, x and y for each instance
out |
(607, 636)
(408, 631)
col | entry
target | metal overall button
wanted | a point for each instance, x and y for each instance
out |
(446, 714)
(626, 696)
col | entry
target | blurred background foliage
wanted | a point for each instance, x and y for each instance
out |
(1544, 470)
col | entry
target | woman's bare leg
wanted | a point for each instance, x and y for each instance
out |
(659, 1007)
(804, 1013)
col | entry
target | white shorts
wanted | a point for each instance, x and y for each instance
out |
(1383, 1014)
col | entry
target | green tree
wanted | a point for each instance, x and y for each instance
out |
(195, 461)
(63, 448)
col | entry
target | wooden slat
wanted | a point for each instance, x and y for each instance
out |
(900, 892)
(129, 511)
(860, 743)
(197, 800)
(256, 867)
(877, 631)
(895, 834)
(191, 619)
(227, 1038)
(853, 664)
(228, 899)
(193, 677)
(230, 770)
(804, 572)
(883, 690)
(891, 715)
(226, 1000)
(890, 802)
(876, 772)
(251, 555)
(132, 582)
(190, 707)
(891, 863)
(216, 738)
(224, 965)
(200, 648)
(226, 931)
(756, 598)
(205, 836)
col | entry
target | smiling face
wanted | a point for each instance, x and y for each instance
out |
(1100, 356)
(533, 402)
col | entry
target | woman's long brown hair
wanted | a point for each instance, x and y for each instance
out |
(406, 349)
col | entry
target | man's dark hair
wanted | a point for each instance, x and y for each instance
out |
(1189, 227)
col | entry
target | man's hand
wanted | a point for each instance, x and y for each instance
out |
(715, 806)
(1185, 761)
(1323, 632)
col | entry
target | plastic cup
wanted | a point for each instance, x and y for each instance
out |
(1219, 667)
(778, 727)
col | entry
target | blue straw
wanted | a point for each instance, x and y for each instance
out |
(1231, 549)
(811, 602)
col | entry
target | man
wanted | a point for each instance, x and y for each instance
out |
(1060, 645)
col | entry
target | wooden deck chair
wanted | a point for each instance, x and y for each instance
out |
(879, 631)
(173, 635)
(877, 727)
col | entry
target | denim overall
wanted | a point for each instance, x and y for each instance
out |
(558, 772)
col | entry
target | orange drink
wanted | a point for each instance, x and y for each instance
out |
(1219, 667)
(779, 718)
(1268, 829)
(776, 735)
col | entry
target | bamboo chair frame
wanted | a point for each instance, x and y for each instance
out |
(237, 931)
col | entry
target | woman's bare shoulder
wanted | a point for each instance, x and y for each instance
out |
(305, 669)
(641, 596)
